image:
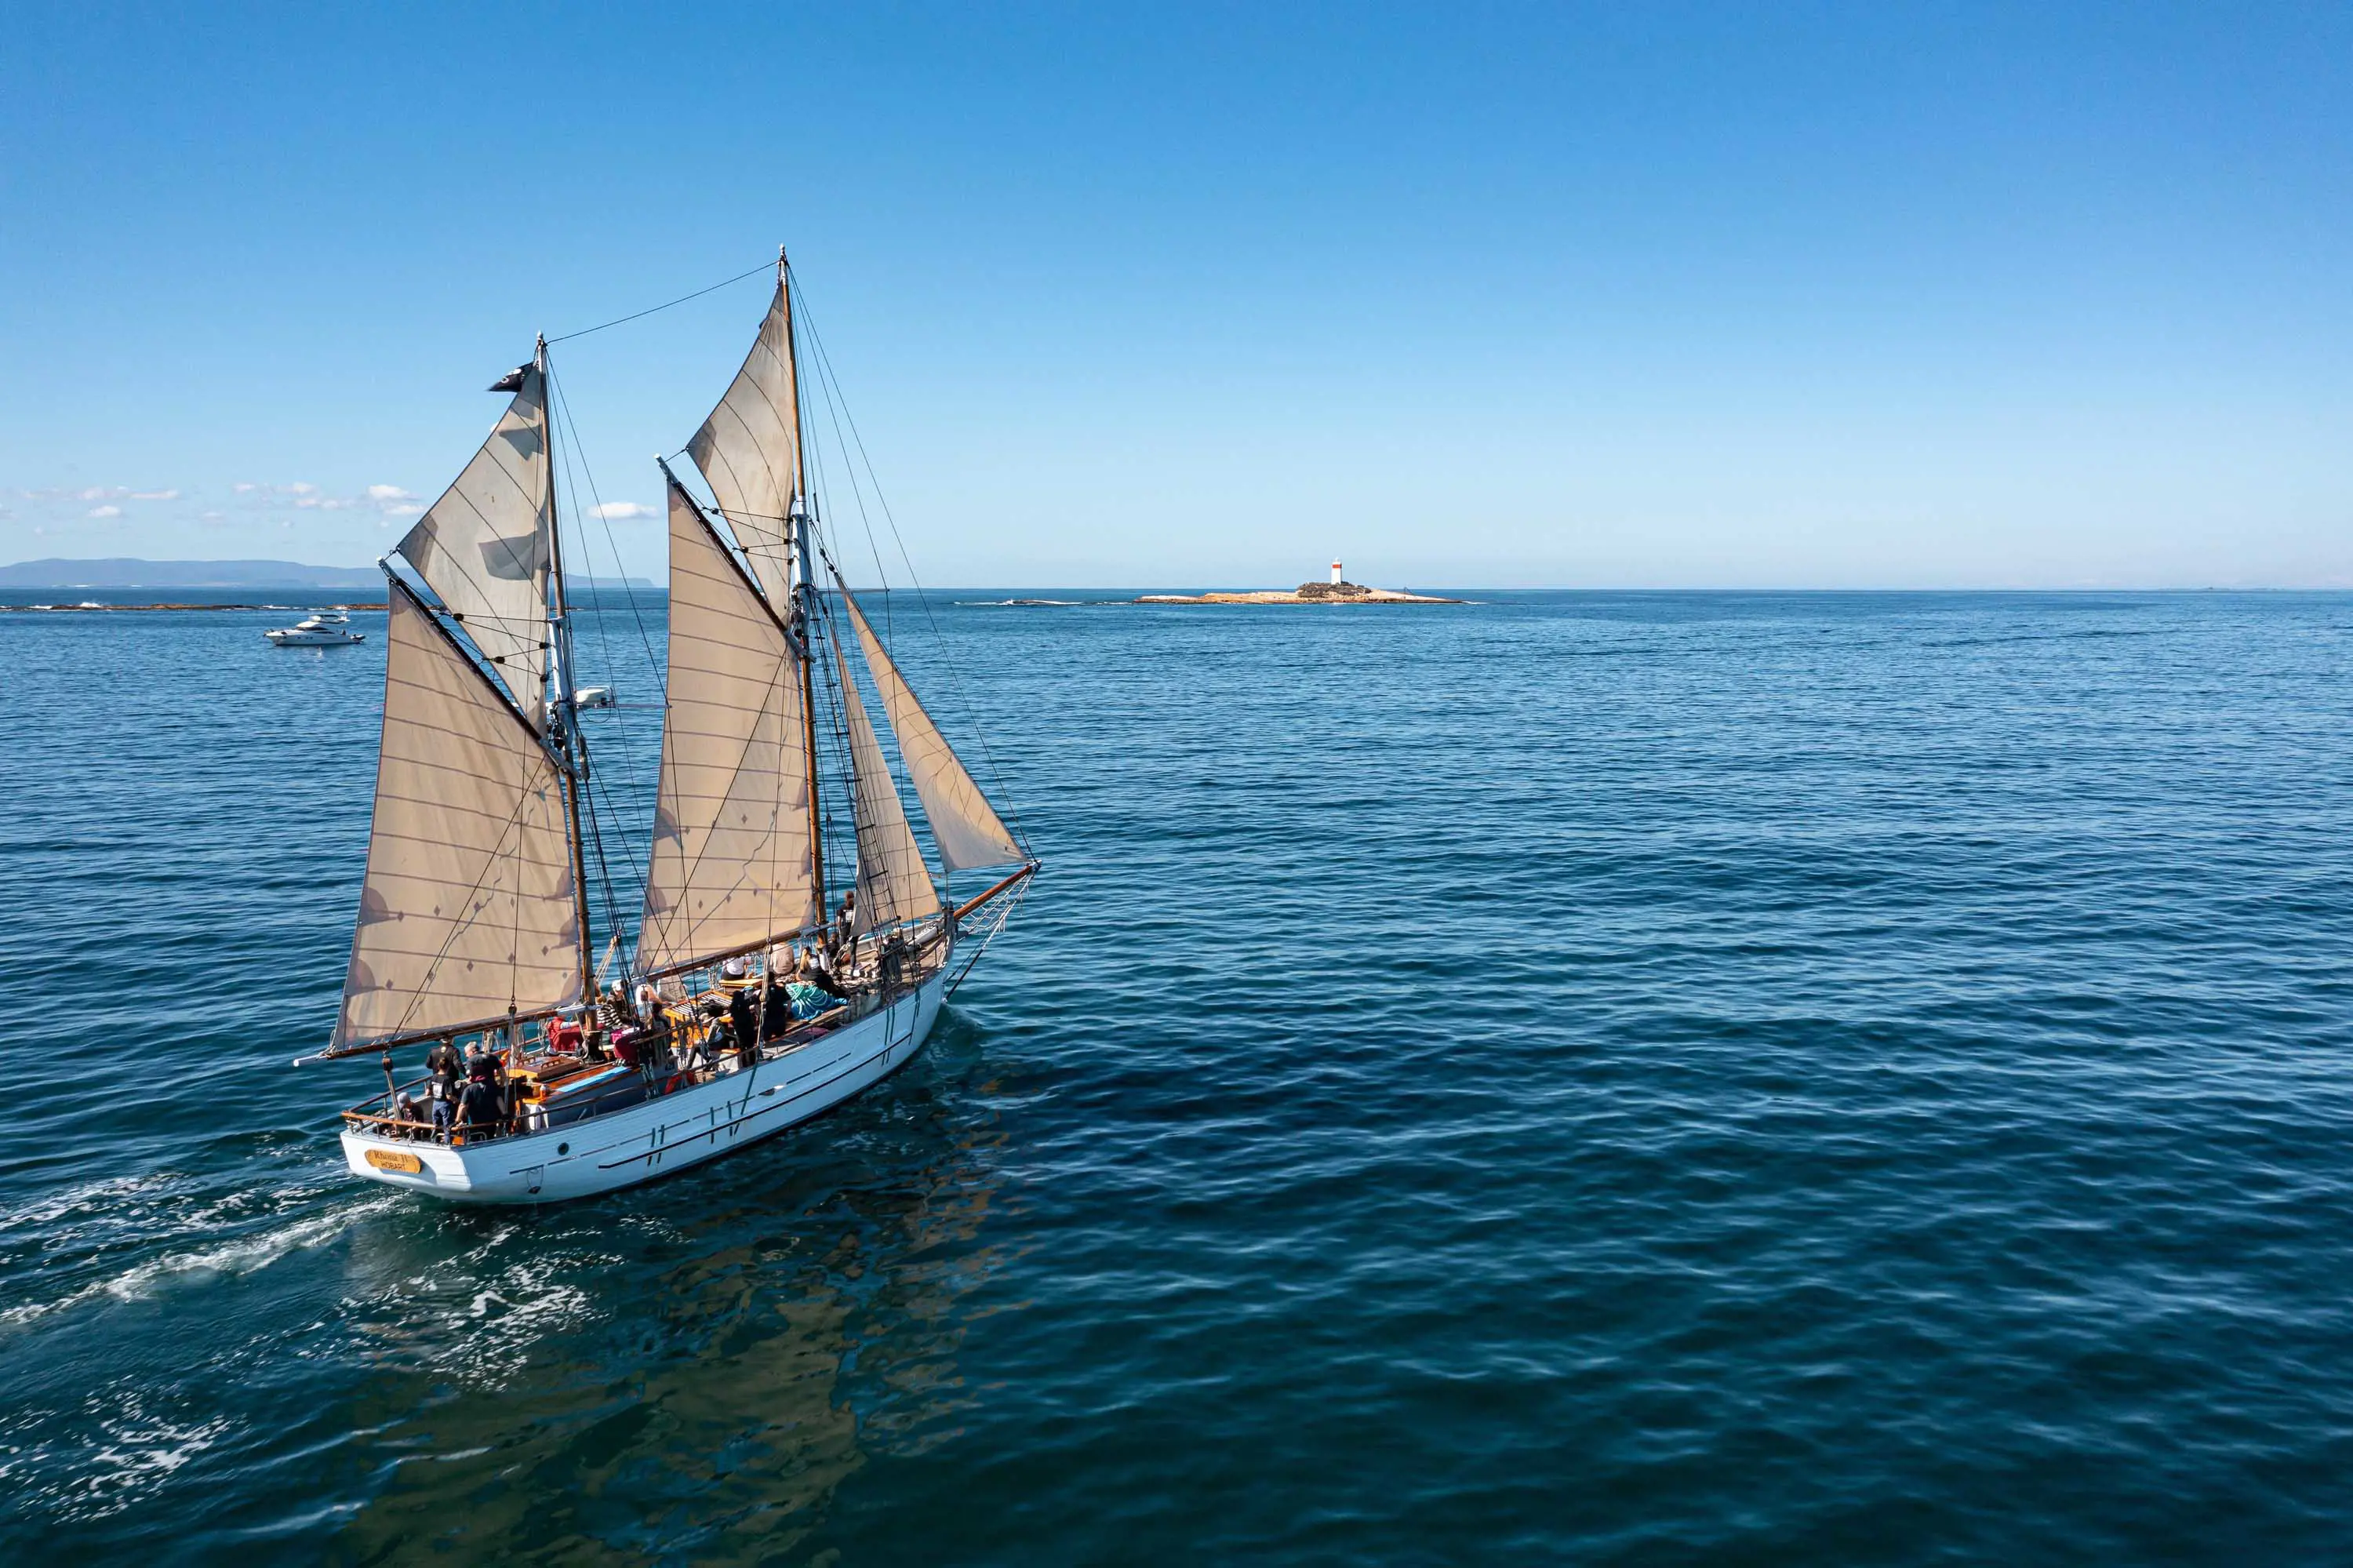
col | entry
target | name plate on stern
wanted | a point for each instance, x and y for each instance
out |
(396, 1159)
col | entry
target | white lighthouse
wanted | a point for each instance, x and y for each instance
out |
(1336, 572)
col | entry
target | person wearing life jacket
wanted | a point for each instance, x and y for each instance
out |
(445, 1064)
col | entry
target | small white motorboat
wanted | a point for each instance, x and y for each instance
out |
(327, 628)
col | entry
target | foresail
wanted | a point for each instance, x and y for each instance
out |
(484, 547)
(469, 910)
(748, 450)
(892, 882)
(965, 827)
(731, 853)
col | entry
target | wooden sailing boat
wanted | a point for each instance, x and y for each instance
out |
(756, 999)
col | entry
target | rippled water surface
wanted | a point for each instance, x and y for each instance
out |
(1639, 1078)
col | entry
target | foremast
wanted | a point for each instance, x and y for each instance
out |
(804, 579)
(473, 912)
(563, 704)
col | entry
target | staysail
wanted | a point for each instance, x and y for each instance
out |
(965, 827)
(484, 547)
(893, 883)
(469, 912)
(749, 452)
(731, 861)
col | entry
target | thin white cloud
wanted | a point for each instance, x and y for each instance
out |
(392, 500)
(106, 512)
(619, 511)
(154, 495)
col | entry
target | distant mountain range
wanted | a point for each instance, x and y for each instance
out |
(122, 572)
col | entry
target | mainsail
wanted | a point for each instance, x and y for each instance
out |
(893, 883)
(484, 547)
(731, 861)
(469, 913)
(737, 860)
(749, 449)
(965, 827)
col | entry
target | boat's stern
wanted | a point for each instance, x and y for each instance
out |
(424, 1167)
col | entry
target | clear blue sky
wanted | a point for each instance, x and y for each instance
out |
(1471, 295)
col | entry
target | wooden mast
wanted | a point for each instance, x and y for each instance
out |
(803, 593)
(575, 754)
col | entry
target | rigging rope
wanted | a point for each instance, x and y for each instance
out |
(619, 321)
(586, 792)
(825, 370)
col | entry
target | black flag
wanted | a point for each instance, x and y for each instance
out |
(512, 380)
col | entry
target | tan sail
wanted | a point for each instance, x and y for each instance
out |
(731, 853)
(892, 882)
(484, 547)
(965, 827)
(468, 913)
(748, 452)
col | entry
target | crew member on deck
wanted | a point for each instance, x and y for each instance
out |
(819, 973)
(744, 1017)
(445, 1065)
(478, 1106)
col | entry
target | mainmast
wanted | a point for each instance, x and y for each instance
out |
(804, 586)
(563, 706)
(738, 858)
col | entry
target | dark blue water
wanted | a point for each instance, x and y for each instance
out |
(1646, 1078)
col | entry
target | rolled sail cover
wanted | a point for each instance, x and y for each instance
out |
(965, 827)
(469, 910)
(747, 448)
(484, 547)
(894, 884)
(731, 853)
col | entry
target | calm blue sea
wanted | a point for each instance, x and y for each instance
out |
(1600, 1078)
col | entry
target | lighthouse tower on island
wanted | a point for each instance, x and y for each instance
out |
(1338, 588)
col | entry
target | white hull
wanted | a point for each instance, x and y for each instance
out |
(315, 639)
(660, 1137)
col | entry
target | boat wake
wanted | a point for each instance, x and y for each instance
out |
(228, 1258)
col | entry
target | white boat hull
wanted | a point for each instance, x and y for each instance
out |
(314, 639)
(662, 1137)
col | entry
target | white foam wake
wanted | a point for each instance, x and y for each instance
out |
(223, 1260)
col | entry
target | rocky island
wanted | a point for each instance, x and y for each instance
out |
(1339, 590)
